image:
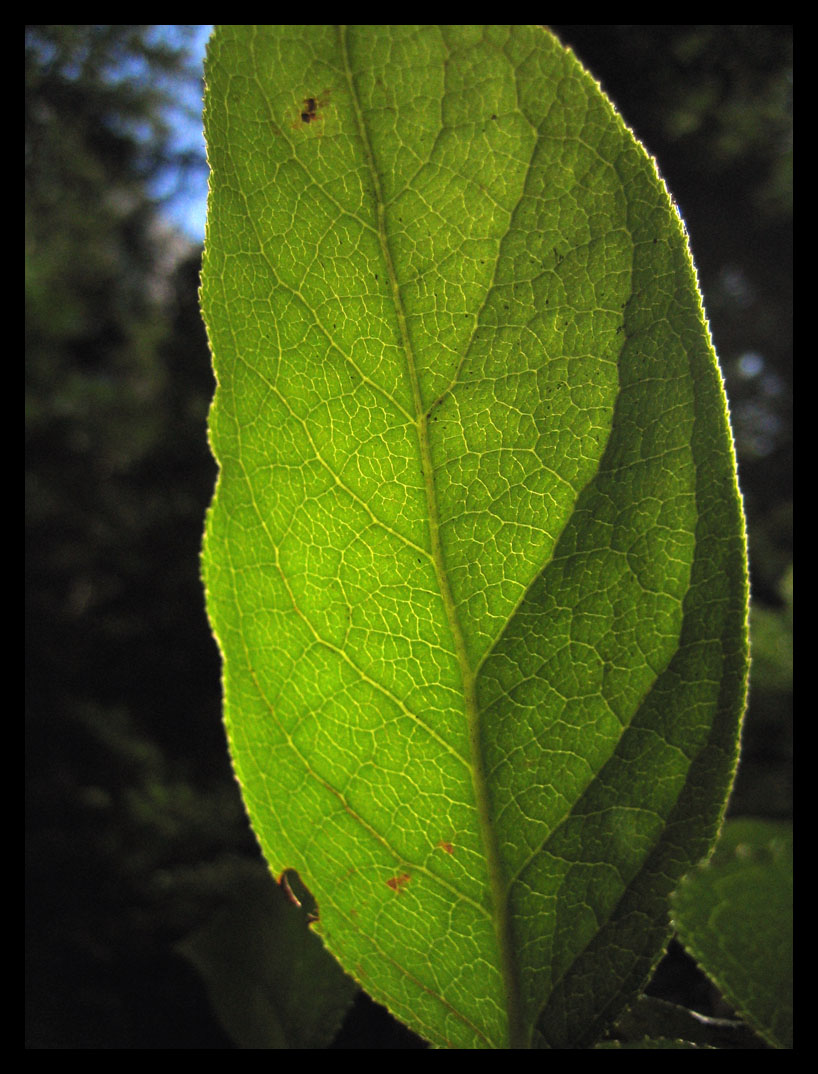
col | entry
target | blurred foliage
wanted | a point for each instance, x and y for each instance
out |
(271, 981)
(115, 392)
(135, 829)
(133, 820)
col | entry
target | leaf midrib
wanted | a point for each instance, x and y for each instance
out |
(517, 1035)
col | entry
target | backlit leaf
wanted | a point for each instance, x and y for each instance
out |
(475, 559)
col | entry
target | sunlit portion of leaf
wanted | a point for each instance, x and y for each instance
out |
(475, 560)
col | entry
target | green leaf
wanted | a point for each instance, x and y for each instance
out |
(656, 1019)
(475, 559)
(734, 915)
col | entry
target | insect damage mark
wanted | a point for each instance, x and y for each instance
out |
(297, 894)
(310, 109)
(398, 883)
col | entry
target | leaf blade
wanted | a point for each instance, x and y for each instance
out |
(735, 917)
(421, 565)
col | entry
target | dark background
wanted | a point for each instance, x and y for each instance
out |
(134, 822)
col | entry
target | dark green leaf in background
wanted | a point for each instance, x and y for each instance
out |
(652, 1019)
(476, 556)
(270, 981)
(735, 916)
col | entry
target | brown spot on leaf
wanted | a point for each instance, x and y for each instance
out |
(284, 884)
(310, 109)
(398, 883)
(446, 846)
(298, 894)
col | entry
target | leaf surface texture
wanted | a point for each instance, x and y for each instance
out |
(735, 917)
(475, 559)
